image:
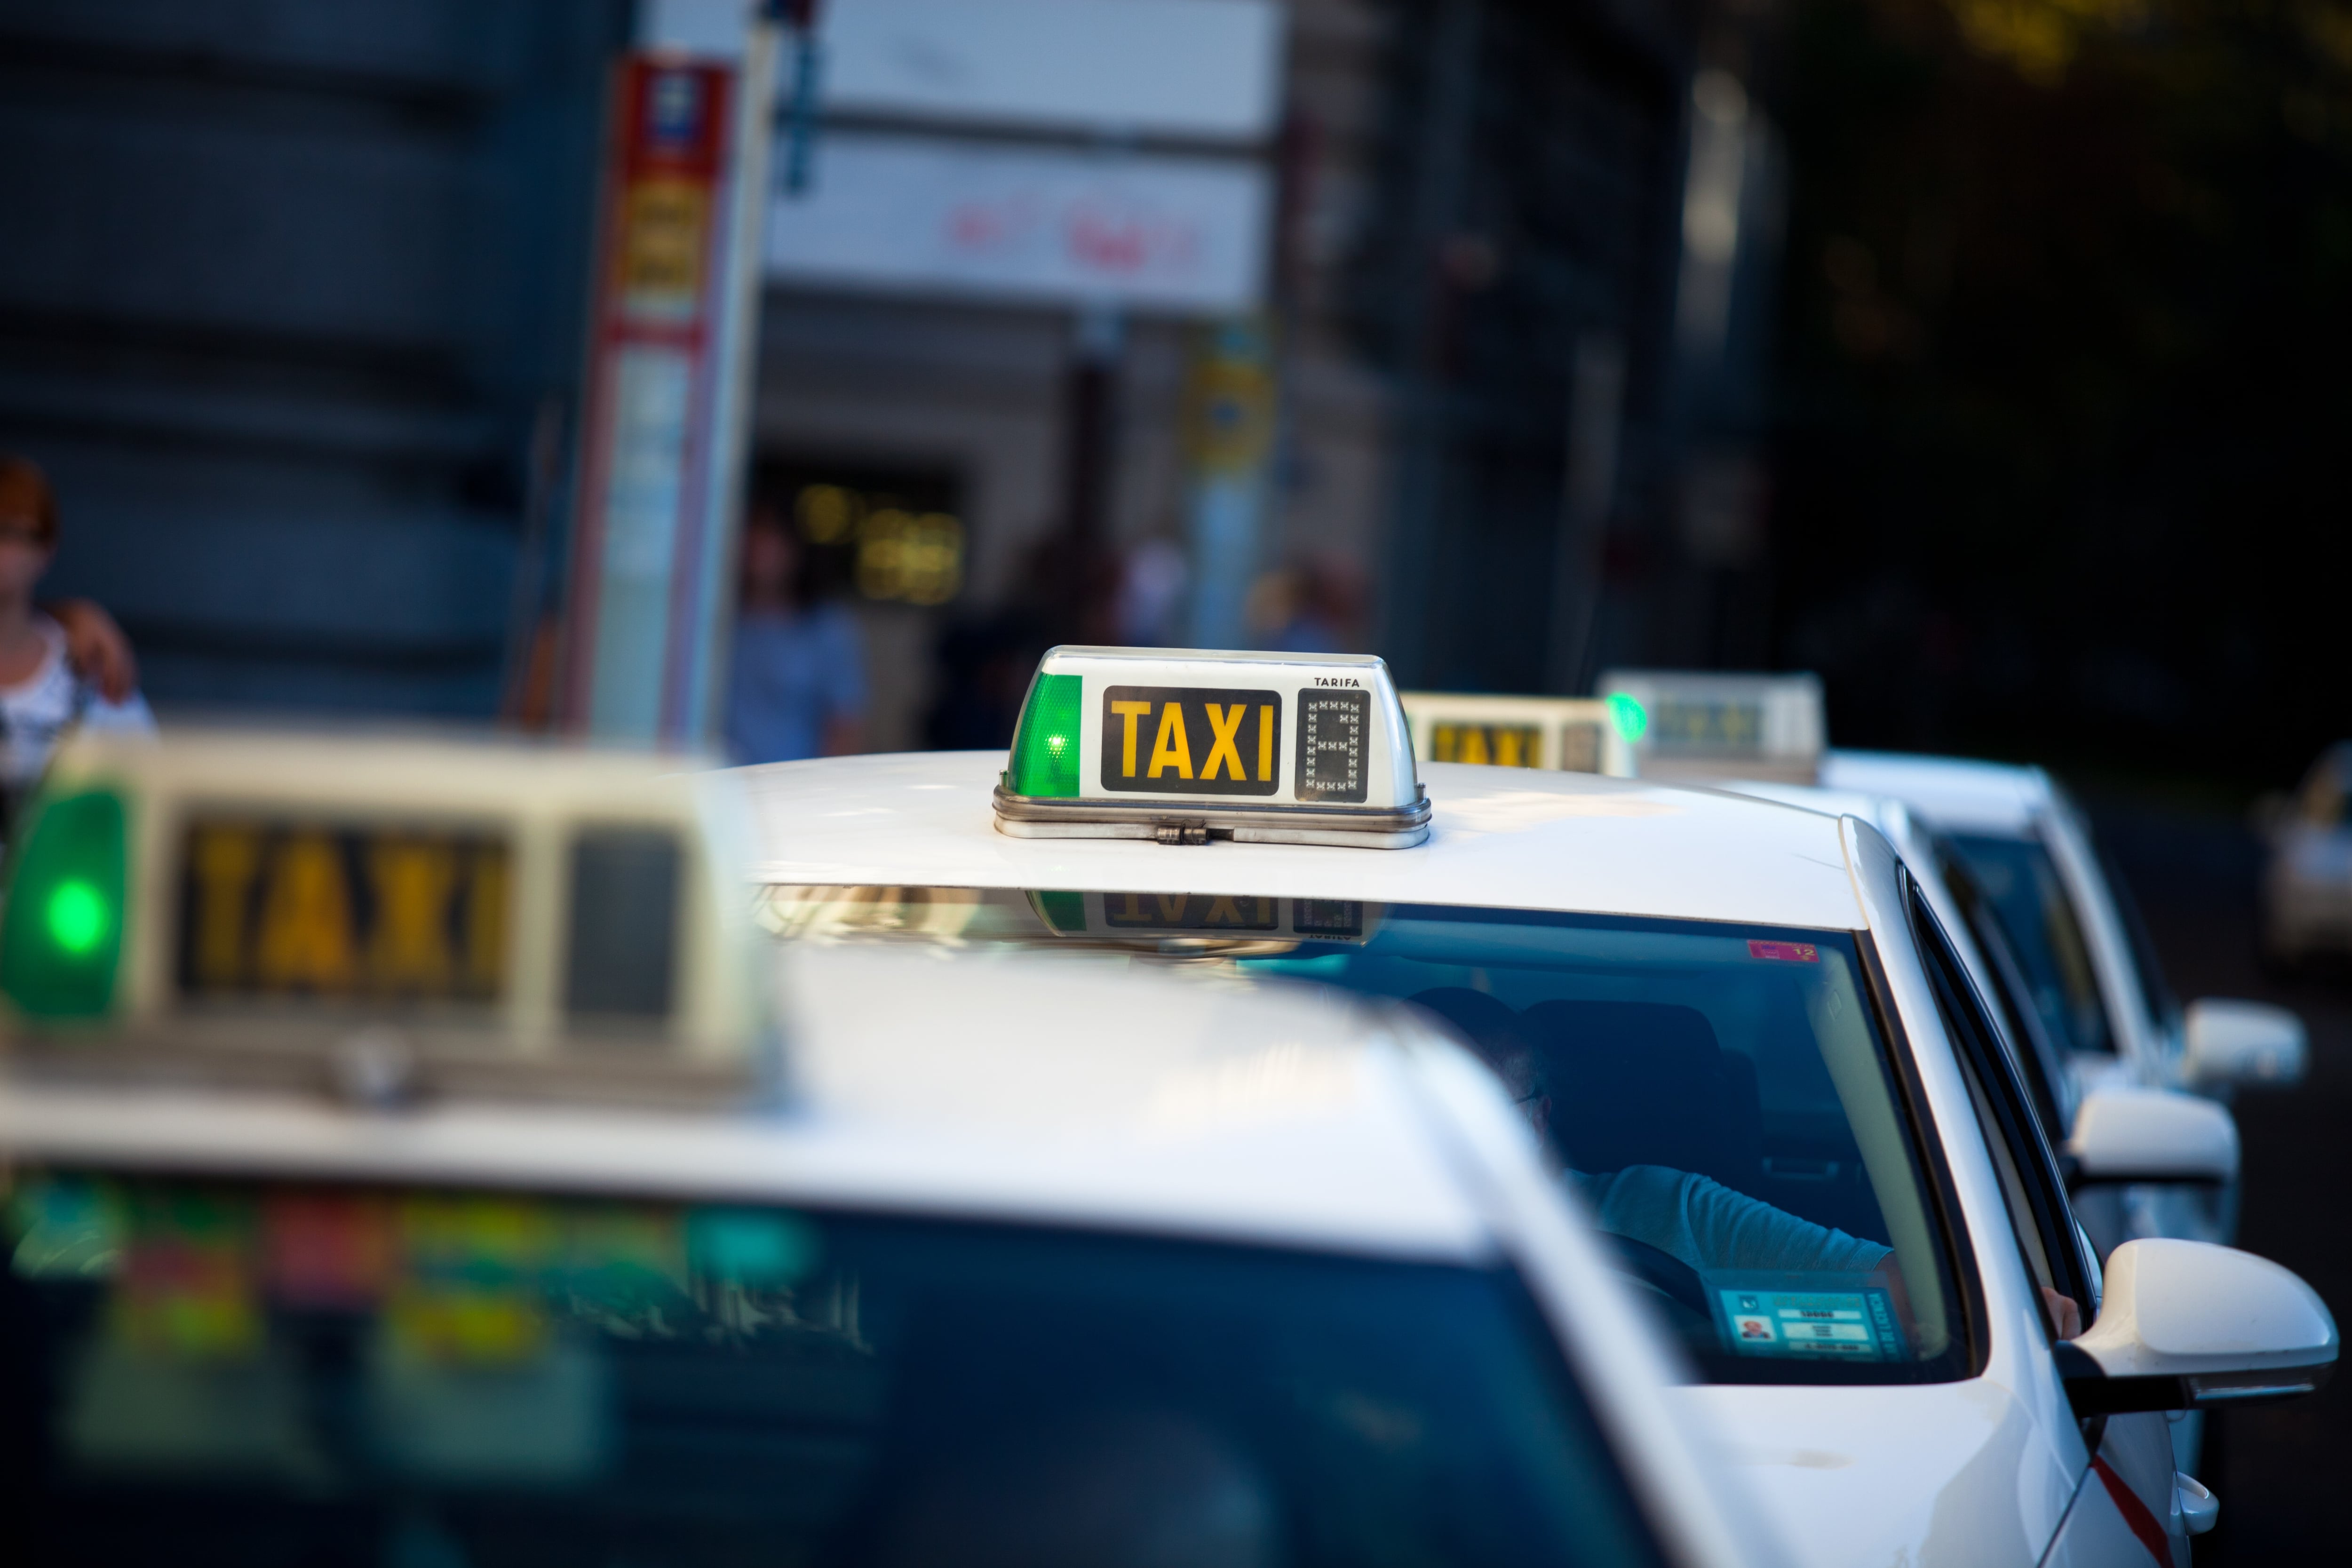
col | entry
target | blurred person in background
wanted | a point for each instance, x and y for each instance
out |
(1311, 606)
(1153, 579)
(60, 665)
(796, 681)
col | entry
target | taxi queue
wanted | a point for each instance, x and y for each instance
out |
(1207, 1134)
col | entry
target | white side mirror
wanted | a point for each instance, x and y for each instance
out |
(2152, 1135)
(2242, 1042)
(2186, 1325)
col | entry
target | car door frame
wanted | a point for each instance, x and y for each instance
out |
(2131, 1457)
(2014, 1352)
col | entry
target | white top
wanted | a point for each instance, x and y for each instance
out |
(1030, 1089)
(1499, 838)
(1954, 794)
(36, 710)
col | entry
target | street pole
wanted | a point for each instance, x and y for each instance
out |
(665, 437)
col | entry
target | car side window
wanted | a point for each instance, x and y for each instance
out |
(2036, 1197)
(2039, 1058)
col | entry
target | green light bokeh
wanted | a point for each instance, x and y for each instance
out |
(1632, 720)
(77, 916)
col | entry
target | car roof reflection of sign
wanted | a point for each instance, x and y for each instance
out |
(1185, 746)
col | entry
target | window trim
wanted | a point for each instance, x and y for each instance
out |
(2041, 1059)
(1985, 1056)
(1972, 1332)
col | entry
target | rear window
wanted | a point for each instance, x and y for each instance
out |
(1720, 1096)
(199, 1373)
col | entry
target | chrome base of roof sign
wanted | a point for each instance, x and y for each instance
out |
(1196, 822)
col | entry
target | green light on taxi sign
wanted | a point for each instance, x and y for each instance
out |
(1046, 748)
(1632, 720)
(77, 916)
(61, 932)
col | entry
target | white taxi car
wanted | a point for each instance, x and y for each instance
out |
(1762, 1064)
(2306, 888)
(999, 1263)
(2015, 835)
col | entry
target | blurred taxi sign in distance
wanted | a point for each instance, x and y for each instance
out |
(555, 920)
(1569, 734)
(1188, 745)
(1702, 727)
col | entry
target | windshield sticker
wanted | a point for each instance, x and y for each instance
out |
(1785, 951)
(1761, 1315)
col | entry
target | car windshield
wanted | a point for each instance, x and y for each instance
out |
(1720, 1096)
(2021, 881)
(202, 1372)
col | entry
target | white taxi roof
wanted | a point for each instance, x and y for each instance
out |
(1954, 792)
(1020, 1088)
(1500, 838)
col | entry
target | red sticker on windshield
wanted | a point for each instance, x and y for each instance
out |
(1785, 951)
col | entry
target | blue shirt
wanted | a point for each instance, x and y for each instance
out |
(1708, 1226)
(791, 674)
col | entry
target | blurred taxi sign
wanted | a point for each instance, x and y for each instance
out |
(1572, 734)
(477, 911)
(1700, 726)
(1187, 746)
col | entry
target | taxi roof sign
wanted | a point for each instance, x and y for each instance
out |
(1702, 726)
(1185, 745)
(1568, 734)
(481, 914)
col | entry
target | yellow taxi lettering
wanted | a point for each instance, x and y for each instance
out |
(486, 933)
(1132, 912)
(306, 918)
(1171, 749)
(1131, 712)
(1510, 748)
(412, 883)
(225, 861)
(1224, 723)
(1472, 747)
(1222, 912)
(1266, 742)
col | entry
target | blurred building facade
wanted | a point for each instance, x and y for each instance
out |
(290, 307)
(294, 314)
(1518, 275)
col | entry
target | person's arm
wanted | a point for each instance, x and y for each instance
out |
(95, 647)
(1731, 1230)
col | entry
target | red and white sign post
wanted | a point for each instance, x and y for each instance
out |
(676, 303)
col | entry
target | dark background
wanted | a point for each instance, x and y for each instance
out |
(2061, 434)
(2277, 1471)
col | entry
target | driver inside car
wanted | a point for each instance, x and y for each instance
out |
(1693, 1219)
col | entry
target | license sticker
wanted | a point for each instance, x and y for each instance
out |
(1785, 951)
(1788, 1316)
